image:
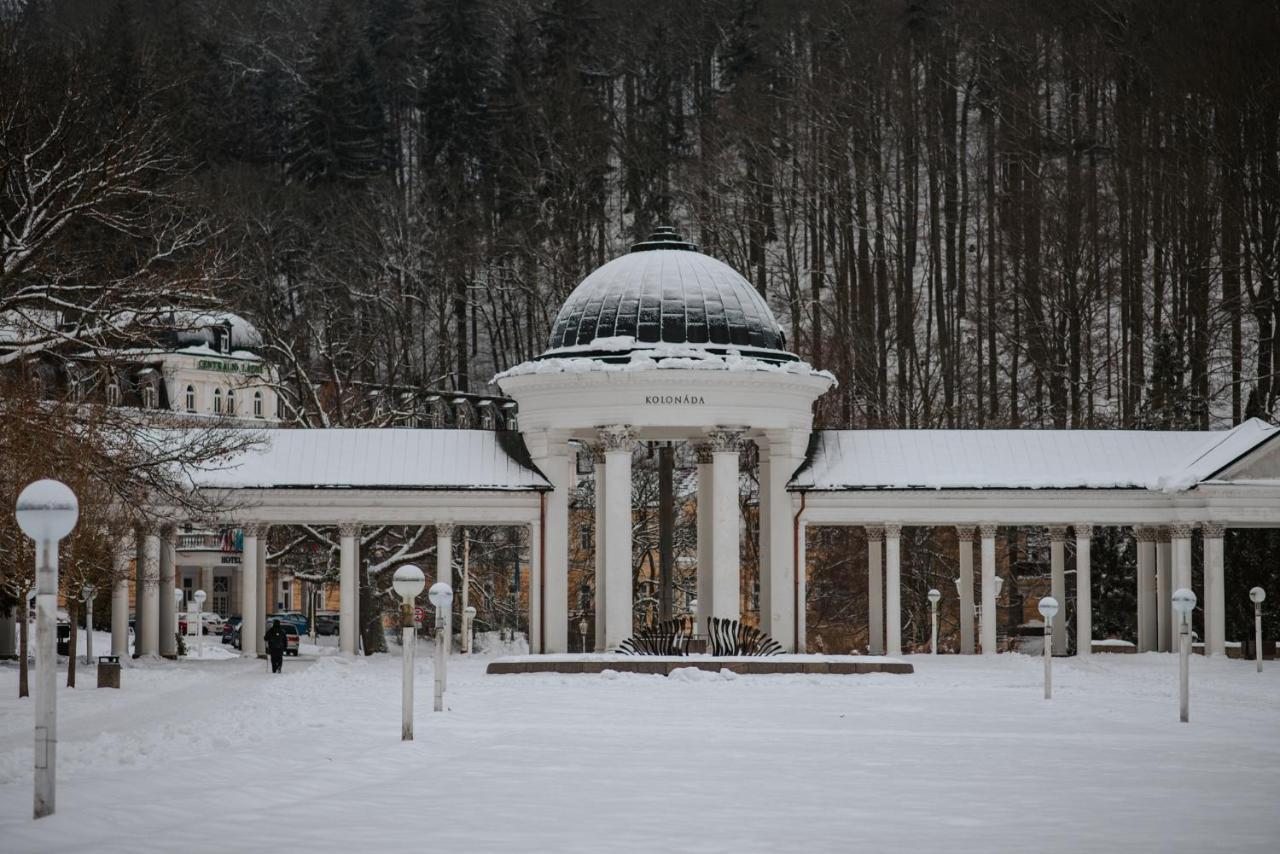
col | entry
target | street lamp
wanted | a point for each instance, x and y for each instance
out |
(86, 596)
(1257, 595)
(469, 614)
(934, 596)
(46, 511)
(1184, 602)
(1048, 610)
(408, 582)
(199, 596)
(441, 595)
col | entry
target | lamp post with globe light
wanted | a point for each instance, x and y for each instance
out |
(934, 596)
(199, 596)
(441, 595)
(179, 599)
(1048, 609)
(1257, 595)
(468, 630)
(46, 512)
(408, 582)
(1184, 602)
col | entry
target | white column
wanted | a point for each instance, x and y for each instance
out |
(1147, 608)
(266, 603)
(964, 539)
(1215, 603)
(348, 554)
(1164, 592)
(1084, 589)
(597, 457)
(618, 442)
(802, 583)
(206, 583)
(1058, 585)
(706, 474)
(168, 623)
(120, 600)
(988, 534)
(139, 586)
(726, 600)
(250, 617)
(147, 621)
(893, 588)
(875, 589)
(444, 572)
(781, 453)
(1180, 569)
(532, 536)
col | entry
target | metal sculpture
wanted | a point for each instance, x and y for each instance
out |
(669, 637)
(731, 637)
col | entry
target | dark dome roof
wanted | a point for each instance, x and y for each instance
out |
(666, 292)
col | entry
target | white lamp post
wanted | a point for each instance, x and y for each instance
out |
(1048, 610)
(582, 631)
(46, 511)
(408, 583)
(199, 596)
(934, 596)
(1257, 595)
(469, 614)
(179, 599)
(86, 596)
(1184, 602)
(441, 595)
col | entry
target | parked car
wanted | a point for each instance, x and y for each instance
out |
(326, 624)
(212, 623)
(299, 620)
(292, 638)
(229, 626)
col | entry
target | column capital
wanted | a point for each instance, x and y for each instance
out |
(725, 440)
(1084, 530)
(988, 530)
(1144, 534)
(1057, 533)
(1163, 535)
(1181, 530)
(349, 529)
(702, 450)
(253, 529)
(445, 529)
(1212, 530)
(596, 449)
(892, 530)
(874, 532)
(617, 437)
(964, 533)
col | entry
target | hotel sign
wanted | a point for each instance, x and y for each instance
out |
(674, 400)
(228, 367)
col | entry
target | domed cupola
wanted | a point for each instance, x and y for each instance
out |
(666, 292)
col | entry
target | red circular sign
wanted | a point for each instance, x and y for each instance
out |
(419, 614)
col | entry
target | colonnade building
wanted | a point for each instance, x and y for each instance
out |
(668, 344)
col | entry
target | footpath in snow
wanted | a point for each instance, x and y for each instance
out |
(963, 756)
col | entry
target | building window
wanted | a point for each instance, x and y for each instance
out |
(191, 398)
(148, 396)
(584, 536)
(113, 393)
(257, 404)
(217, 401)
(231, 401)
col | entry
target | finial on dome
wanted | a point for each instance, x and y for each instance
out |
(664, 237)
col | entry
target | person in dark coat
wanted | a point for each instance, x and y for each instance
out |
(277, 641)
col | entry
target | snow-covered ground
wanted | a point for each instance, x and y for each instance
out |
(963, 756)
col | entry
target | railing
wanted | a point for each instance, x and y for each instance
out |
(199, 542)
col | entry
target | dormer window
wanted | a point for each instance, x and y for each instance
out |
(113, 392)
(148, 396)
(191, 398)
(217, 401)
(257, 404)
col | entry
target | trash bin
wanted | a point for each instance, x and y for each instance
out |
(64, 638)
(108, 671)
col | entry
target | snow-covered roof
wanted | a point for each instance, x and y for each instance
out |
(341, 458)
(1023, 459)
(196, 327)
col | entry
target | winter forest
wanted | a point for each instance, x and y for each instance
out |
(983, 214)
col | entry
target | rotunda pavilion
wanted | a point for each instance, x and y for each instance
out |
(668, 344)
